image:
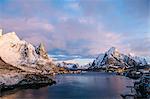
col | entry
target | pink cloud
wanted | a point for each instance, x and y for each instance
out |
(22, 24)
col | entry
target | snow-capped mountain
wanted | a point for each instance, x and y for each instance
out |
(114, 58)
(22, 54)
(71, 66)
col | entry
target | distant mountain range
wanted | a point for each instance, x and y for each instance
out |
(24, 55)
(67, 65)
(113, 57)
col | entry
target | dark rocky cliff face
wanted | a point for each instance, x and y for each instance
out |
(40, 50)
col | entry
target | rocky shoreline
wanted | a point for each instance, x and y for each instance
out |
(30, 81)
(23, 65)
(12, 78)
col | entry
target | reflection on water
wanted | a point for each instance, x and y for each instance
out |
(79, 86)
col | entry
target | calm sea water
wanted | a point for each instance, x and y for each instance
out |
(90, 85)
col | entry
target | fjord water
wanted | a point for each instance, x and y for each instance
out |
(89, 85)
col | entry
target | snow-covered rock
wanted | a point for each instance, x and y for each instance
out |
(7, 78)
(84, 67)
(140, 60)
(22, 54)
(20, 64)
(17, 80)
(114, 58)
(71, 66)
(15, 51)
(41, 51)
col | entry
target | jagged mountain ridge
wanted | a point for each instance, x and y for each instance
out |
(68, 65)
(22, 54)
(114, 58)
(40, 50)
(23, 64)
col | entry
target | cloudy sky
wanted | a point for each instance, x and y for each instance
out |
(80, 27)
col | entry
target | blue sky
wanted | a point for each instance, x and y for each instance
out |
(80, 27)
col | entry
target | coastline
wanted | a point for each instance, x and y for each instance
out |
(29, 81)
(12, 78)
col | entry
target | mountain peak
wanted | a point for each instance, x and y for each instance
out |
(41, 51)
(11, 36)
(112, 50)
(114, 58)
